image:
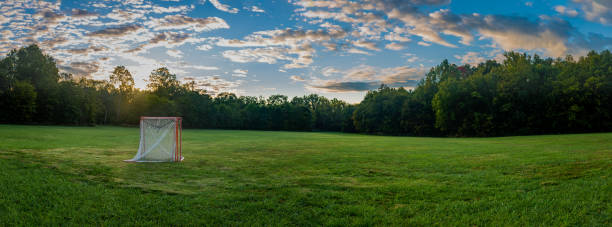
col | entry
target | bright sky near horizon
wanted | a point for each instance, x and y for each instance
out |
(334, 48)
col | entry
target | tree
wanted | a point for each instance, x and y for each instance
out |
(417, 115)
(380, 111)
(523, 95)
(30, 64)
(227, 111)
(163, 83)
(21, 103)
(298, 115)
(196, 109)
(123, 81)
(277, 111)
(34, 66)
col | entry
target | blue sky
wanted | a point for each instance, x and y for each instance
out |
(339, 49)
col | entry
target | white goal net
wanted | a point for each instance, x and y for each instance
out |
(160, 140)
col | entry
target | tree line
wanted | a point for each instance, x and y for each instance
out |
(522, 95)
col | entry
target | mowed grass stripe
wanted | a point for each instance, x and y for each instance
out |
(52, 175)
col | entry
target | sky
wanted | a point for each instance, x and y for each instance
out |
(339, 49)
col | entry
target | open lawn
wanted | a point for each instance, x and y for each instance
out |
(75, 175)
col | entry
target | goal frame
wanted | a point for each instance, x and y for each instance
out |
(178, 135)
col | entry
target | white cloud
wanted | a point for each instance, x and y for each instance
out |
(392, 75)
(393, 36)
(365, 77)
(214, 84)
(472, 58)
(124, 16)
(175, 9)
(357, 51)
(116, 31)
(394, 46)
(200, 67)
(3, 19)
(551, 38)
(597, 10)
(240, 72)
(328, 71)
(81, 69)
(175, 53)
(296, 78)
(412, 59)
(223, 7)
(204, 47)
(373, 19)
(268, 55)
(82, 13)
(294, 45)
(565, 11)
(366, 44)
(6, 35)
(257, 9)
(189, 23)
(363, 72)
(283, 37)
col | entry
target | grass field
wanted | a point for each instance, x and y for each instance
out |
(53, 175)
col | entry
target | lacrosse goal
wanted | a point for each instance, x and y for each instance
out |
(160, 140)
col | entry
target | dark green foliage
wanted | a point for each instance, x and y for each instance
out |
(380, 111)
(528, 95)
(521, 95)
(163, 83)
(30, 65)
(20, 102)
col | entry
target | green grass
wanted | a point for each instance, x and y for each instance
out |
(75, 175)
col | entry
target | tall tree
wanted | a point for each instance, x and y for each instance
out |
(30, 64)
(163, 83)
(123, 81)
(21, 103)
